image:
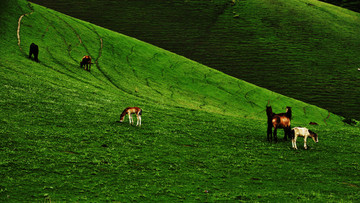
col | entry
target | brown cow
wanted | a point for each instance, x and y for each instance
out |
(86, 63)
(281, 120)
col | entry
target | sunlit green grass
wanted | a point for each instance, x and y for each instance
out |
(203, 133)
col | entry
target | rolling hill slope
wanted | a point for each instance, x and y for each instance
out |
(310, 45)
(203, 134)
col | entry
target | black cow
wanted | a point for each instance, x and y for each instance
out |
(34, 49)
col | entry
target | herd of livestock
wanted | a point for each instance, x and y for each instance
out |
(276, 121)
(34, 50)
(283, 120)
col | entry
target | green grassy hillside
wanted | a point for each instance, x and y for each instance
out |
(203, 135)
(304, 49)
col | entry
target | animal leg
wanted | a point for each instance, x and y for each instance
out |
(293, 140)
(36, 57)
(305, 147)
(138, 122)
(269, 134)
(130, 119)
(275, 134)
(287, 133)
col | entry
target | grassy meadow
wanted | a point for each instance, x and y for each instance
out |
(304, 49)
(203, 133)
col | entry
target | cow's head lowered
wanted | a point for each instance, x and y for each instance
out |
(314, 136)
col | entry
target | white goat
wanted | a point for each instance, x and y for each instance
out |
(303, 132)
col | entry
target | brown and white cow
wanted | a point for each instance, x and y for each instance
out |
(303, 132)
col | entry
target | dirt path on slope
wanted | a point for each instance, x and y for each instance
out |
(18, 29)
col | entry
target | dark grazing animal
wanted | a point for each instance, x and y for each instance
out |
(281, 120)
(86, 63)
(34, 50)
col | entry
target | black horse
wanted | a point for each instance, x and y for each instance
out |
(34, 50)
(281, 120)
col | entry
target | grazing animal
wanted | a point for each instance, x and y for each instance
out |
(303, 132)
(86, 63)
(34, 50)
(129, 111)
(281, 120)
